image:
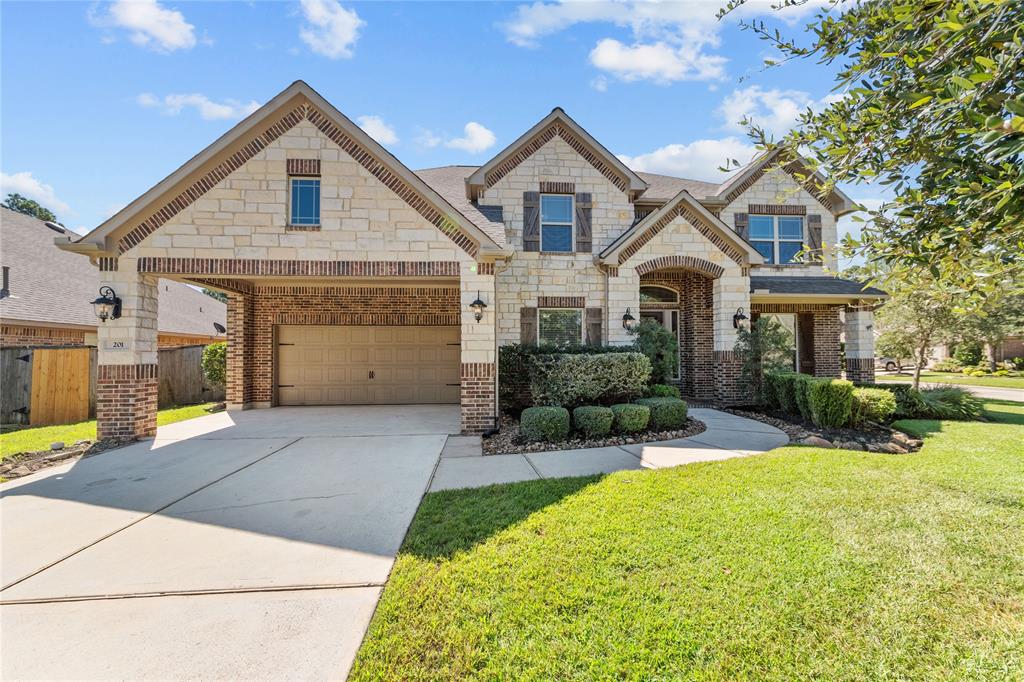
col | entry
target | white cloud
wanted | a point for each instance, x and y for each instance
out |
(375, 127)
(26, 185)
(774, 110)
(600, 84)
(172, 105)
(476, 139)
(149, 25)
(699, 160)
(428, 138)
(658, 62)
(331, 30)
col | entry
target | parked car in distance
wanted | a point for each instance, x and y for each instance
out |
(893, 364)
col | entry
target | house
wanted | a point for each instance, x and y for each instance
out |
(50, 292)
(352, 279)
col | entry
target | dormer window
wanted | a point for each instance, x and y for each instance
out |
(777, 237)
(305, 201)
(556, 227)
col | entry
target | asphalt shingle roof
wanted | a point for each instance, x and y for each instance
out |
(664, 187)
(813, 285)
(52, 286)
(450, 183)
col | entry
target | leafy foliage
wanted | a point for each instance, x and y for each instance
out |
(515, 368)
(573, 380)
(831, 402)
(662, 391)
(666, 413)
(219, 295)
(660, 346)
(214, 362)
(766, 346)
(951, 402)
(630, 417)
(968, 353)
(872, 404)
(593, 421)
(549, 424)
(16, 202)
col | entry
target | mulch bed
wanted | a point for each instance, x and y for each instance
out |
(509, 442)
(25, 463)
(872, 437)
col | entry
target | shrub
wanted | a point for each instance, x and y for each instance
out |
(550, 424)
(593, 421)
(909, 403)
(661, 348)
(1000, 373)
(951, 402)
(514, 369)
(214, 362)
(573, 380)
(802, 392)
(765, 347)
(978, 373)
(785, 391)
(1018, 363)
(666, 413)
(872, 404)
(662, 391)
(774, 389)
(831, 402)
(630, 417)
(947, 365)
(968, 353)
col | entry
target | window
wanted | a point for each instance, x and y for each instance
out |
(658, 295)
(305, 201)
(556, 223)
(560, 326)
(778, 238)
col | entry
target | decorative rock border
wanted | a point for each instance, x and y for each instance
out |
(506, 441)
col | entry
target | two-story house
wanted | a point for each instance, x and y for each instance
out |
(355, 280)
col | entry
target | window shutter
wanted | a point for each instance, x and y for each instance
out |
(593, 329)
(742, 225)
(814, 234)
(531, 221)
(528, 326)
(584, 233)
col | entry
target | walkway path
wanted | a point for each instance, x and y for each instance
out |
(727, 436)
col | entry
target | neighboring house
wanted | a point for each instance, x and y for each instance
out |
(352, 279)
(50, 294)
(1008, 349)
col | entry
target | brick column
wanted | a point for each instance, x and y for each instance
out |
(860, 344)
(731, 292)
(478, 373)
(126, 374)
(240, 355)
(826, 343)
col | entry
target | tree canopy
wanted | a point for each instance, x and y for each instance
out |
(16, 202)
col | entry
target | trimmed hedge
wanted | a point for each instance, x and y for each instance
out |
(549, 424)
(215, 362)
(831, 402)
(872, 404)
(784, 387)
(802, 395)
(630, 417)
(574, 380)
(514, 369)
(662, 391)
(666, 413)
(593, 421)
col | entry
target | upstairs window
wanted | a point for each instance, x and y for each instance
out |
(556, 223)
(305, 201)
(777, 237)
(560, 326)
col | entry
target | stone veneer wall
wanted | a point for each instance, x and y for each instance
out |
(860, 344)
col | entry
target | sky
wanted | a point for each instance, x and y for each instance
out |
(102, 100)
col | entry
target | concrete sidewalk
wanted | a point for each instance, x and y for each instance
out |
(726, 436)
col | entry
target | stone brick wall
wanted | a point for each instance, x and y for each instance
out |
(860, 344)
(14, 336)
(729, 390)
(827, 329)
(860, 370)
(478, 396)
(696, 329)
(126, 401)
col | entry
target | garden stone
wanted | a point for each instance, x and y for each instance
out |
(22, 470)
(59, 445)
(851, 445)
(817, 441)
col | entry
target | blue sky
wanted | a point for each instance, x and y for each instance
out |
(102, 100)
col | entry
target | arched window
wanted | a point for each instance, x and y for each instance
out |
(653, 294)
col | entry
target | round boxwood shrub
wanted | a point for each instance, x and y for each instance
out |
(872, 404)
(549, 423)
(593, 421)
(666, 413)
(631, 418)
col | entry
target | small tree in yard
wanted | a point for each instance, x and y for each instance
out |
(897, 344)
(999, 315)
(919, 315)
(215, 360)
(766, 347)
(661, 348)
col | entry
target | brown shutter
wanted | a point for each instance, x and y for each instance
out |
(531, 221)
(814, 234)
(528, 326)
(593, 326)
(742, 225)
(584, 233)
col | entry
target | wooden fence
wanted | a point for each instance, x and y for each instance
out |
(41, 386)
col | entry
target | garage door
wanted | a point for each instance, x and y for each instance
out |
(337, 365)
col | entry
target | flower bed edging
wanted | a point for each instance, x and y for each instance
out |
(876, 438)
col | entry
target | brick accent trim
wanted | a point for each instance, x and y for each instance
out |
(693, 218)
(556, 129)
(363, 306)
(19, 336)
(106, 264)
(561, 302)
(301, 228)
(687, 262)
(485, 268)
(860, 370)
(233, 285)
(126, 401)
(557, 187)
(611, 270)
(477, 396)
(303, 166)
(297, 268)
(792, 167)
(776, 209)
(792, 307)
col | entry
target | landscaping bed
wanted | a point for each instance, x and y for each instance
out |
(870, 437)
(25, 463)
(508, 440)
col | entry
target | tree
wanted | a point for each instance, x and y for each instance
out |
(661, 348)
(766, 347)
(997, 316)
(219, 295)
(918, 316)
(931, 107)
(21, 204)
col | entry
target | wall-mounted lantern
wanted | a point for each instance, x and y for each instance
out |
(739, 319)
(477, 307)
(107, 306)
(628, 321)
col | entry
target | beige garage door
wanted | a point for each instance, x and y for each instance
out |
(367, 365)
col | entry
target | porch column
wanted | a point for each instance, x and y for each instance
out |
(240, 355)
(827, 329)
(127, 383)
(623, 293)
(478, 368)
(731, 292)
(860, 344)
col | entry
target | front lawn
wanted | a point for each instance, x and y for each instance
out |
(798, 564)
(37, 438)
(929, 377)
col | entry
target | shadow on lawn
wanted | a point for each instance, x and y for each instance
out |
(453, 521)
(997, 411)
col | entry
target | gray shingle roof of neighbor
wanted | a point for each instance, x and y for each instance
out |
(664, 187)
(813, 285)
(55, 287)
(450, 183)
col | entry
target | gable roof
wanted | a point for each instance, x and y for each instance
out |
(556, 124)
(297, 102)
(450, 183)
(52, 287)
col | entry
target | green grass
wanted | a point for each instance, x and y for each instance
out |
(798, 564)
(40, 437)
(929, 377)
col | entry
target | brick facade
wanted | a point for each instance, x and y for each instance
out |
(14, 336)
(696, 328)
(126, 401)
(860, 370)
(728, 388)
(478, 397)
(827, 329)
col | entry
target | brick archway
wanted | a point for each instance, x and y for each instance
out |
(704, 267)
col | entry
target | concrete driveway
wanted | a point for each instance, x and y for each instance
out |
(246, 545)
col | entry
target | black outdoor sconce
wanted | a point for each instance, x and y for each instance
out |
(108, 305)
(738, 319)
(477, 307)
(628, 321)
